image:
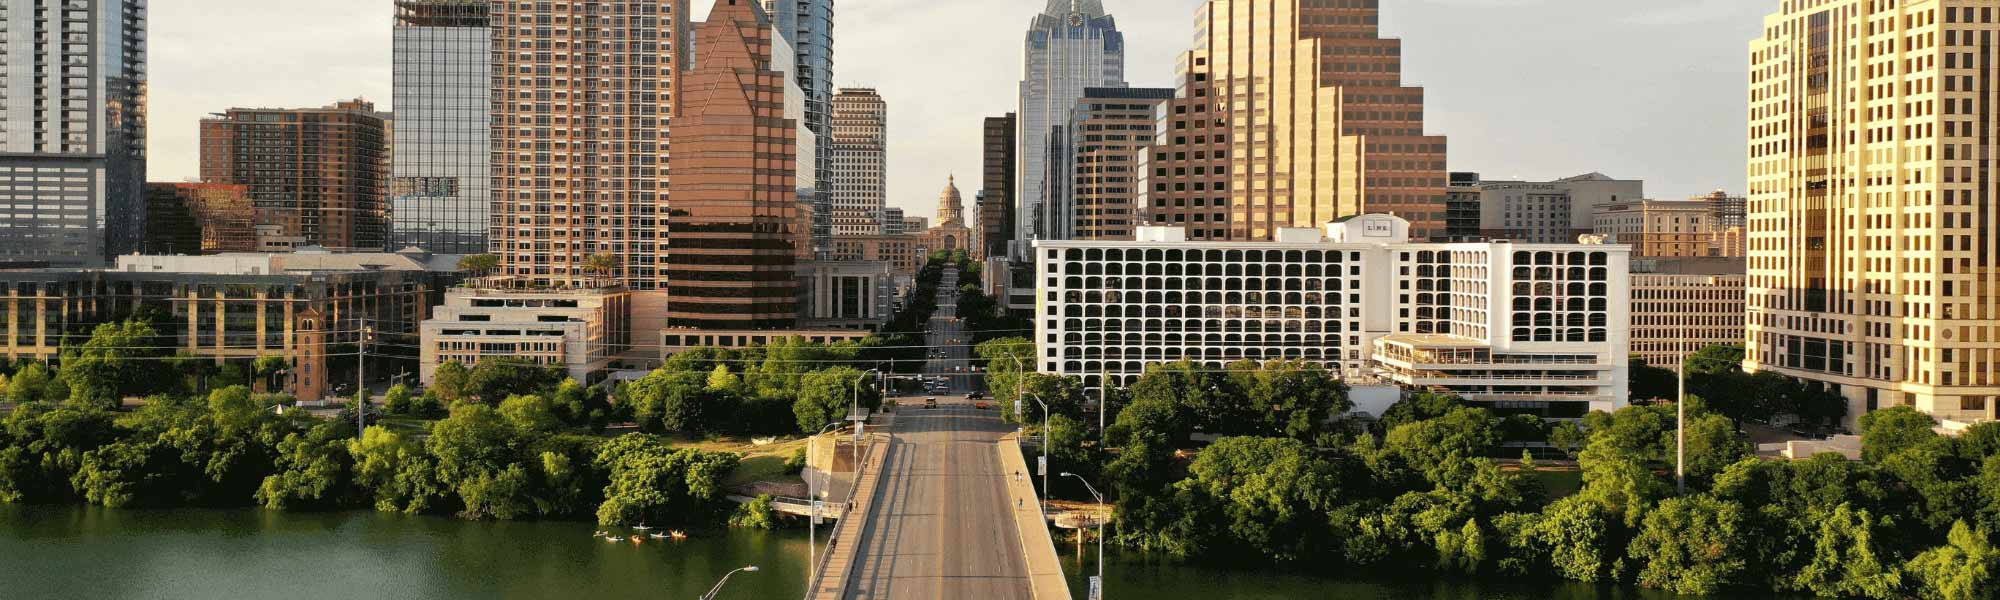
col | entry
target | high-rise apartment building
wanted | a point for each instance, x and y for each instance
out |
(72, 130)
(1313, 116)
(439, 198)
(315, 174)
(1071, 45)
(860, 161)
(1521, 328)
(736, 211)
(1098, 191)
(199, 218)
(1871, 211)
(892, 221)
(580, 160)
(996, 187)
(807, 26)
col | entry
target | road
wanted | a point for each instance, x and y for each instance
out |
(942, 525)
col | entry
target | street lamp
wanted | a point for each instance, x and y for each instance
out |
(1045, 449)
(725, 579)
(1100, 526)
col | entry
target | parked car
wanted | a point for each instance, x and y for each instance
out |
(975, 396)
(930, 402)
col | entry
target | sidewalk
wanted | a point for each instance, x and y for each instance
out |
(846, 538)
(1045, 575)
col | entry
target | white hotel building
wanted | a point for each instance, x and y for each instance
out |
(1524, 328)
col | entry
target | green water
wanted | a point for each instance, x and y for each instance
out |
(64, 552)
(73, 552)
(1130, 575)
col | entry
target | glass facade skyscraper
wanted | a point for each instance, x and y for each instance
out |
(1072, 45)
(438, 198)
(72, 130)
(807, 26)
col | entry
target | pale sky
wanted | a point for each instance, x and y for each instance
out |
(1534, 89)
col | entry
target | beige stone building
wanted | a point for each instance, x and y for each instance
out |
(1658, 228)
(1683, 305)
(1871, 214)
(579, 332)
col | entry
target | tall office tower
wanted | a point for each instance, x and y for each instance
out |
(807, 25)
(996, 193)
(443, 73)
(860, 161)
(736, 218)
(1072, 45)
(72, 129)
(1318, 122)
(1871, 217)
(580, 160)
(1184, 176)
(315, 174)
(1107, 133)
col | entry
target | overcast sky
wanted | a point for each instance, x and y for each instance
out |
(1535, 89)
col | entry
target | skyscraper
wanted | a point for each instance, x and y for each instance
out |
(443, 77)
(736, 213)
(996, 193)
(580, 161)
(807, 25)
(1871, 210)
(1070, 46)
(1313, 115)
(72, 129)
(315, 174)
(860, 161)
(1106, 134)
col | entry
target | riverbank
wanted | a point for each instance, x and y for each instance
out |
(64, 552)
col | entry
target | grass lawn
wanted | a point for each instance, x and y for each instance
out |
(1560, 484)
(763, 467)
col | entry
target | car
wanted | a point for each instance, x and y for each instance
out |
(930, 402)
(976, 396)
(982, 405)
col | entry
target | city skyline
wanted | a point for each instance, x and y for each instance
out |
(1671, 65)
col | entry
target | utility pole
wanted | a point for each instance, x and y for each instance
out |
(1680, 419)
(1103, 400)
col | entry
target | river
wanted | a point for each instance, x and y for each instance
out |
(64, 552)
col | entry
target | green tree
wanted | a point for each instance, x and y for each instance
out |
(1692, 545)
(479, 264)
(119, 360)
(452, 382)
(825, 396)
(477, 459)
(1296, 399)
(1270, 494)
(496, 379)
(532, 416)
(1652, 383)
(1891, 430)
(313, 469)
(652, 483)
(31, 384)
(1847, 562)
(266, 369)
(1419, 406)
(399, 474)
(1967, 567)
(398, 401)
(755, 514)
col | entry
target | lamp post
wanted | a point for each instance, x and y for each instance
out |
(725, 579)
(1045, 451)
(1100, 525)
